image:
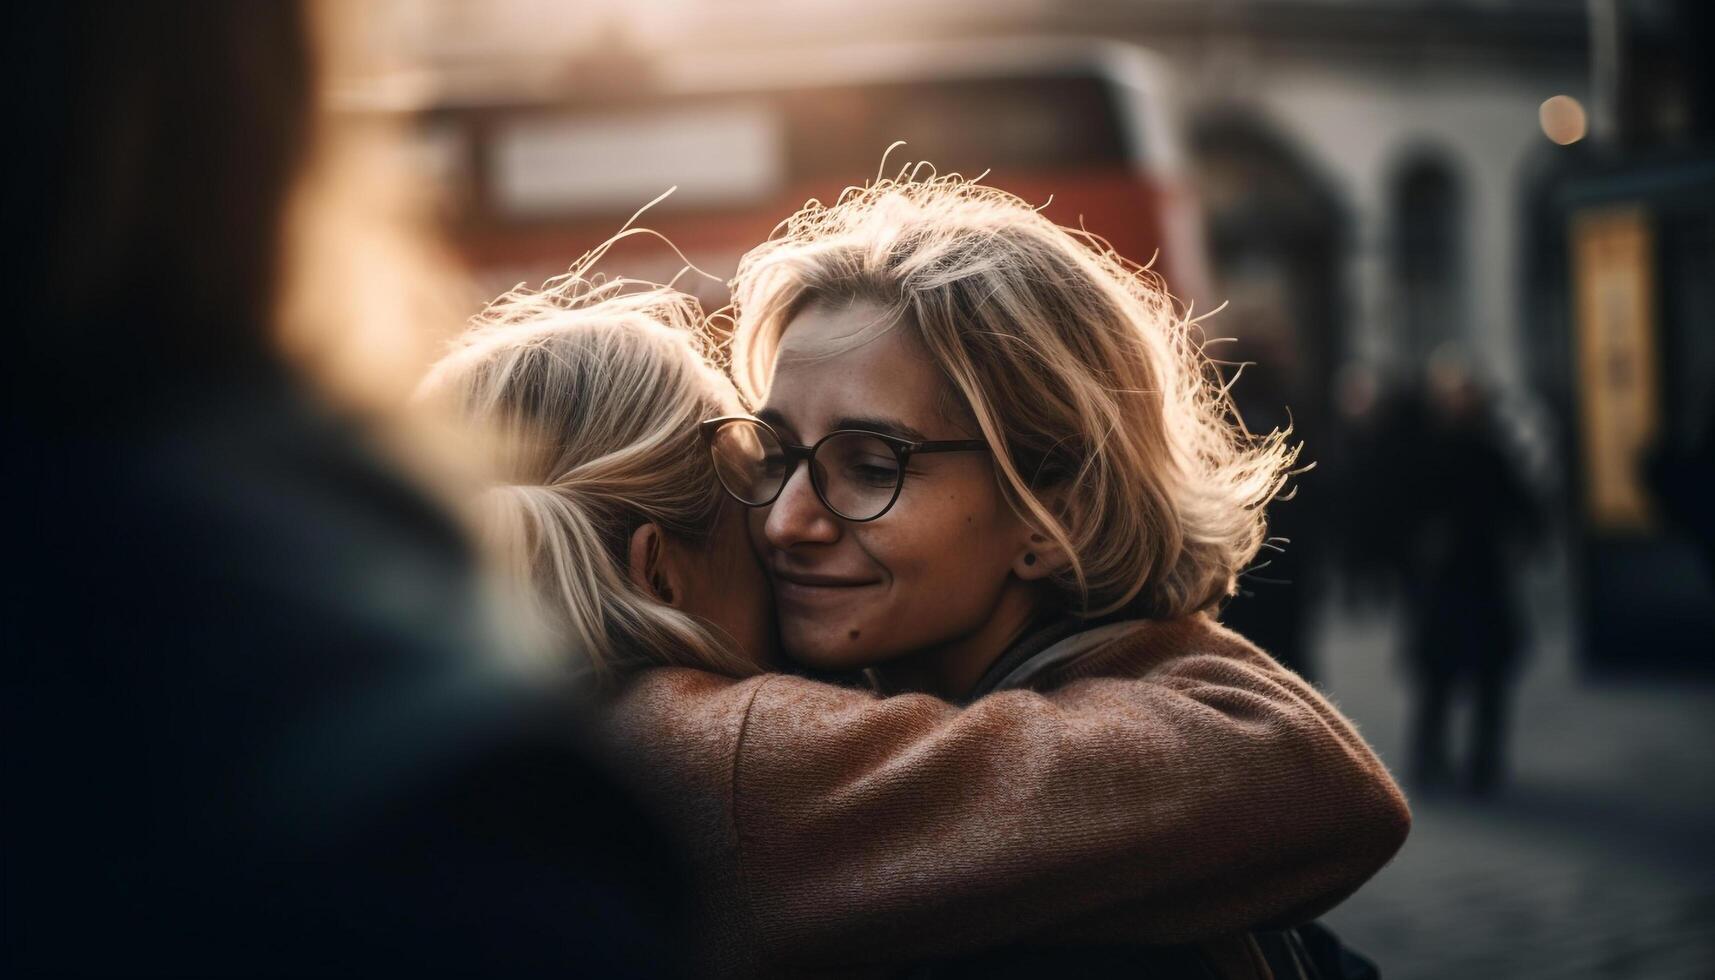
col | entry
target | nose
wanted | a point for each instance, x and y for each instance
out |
(797, 516)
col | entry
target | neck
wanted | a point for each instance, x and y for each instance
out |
(951, 670)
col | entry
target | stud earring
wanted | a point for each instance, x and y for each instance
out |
(1030, 558)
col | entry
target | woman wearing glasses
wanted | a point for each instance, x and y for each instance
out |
(837, 829)
(988, 456)
(1012, 439)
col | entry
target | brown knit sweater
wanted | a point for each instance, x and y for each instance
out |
(836, 831)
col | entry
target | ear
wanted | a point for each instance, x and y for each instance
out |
(1038, 555)
(1039, 558)
(652, 565)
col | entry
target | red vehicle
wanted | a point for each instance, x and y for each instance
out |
(540, 173)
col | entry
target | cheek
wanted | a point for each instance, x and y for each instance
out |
(947, 558)
(753, 603)
(950, 535)
(738, 597)
(740, 577)
(755, 520)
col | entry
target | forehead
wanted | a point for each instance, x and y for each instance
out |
(852, 361)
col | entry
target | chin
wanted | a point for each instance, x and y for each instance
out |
(821, 649)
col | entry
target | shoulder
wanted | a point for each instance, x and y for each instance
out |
(685, 712)
(678, 729)
(1138, 648)
(665, 702)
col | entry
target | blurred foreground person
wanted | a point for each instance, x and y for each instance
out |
(839, 831)
(256, 719)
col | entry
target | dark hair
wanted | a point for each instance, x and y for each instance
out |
(163, 144)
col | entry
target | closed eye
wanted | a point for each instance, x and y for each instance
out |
(875, 474)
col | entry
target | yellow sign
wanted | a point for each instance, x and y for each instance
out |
(1613, 282)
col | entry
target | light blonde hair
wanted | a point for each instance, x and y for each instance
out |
(1112, 432)
(593, 391)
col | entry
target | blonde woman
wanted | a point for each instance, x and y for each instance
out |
(606, 507)
(1022, 470)
(1098, 474)
(835, 829)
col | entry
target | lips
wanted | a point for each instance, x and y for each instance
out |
(811, 587)
(821, 581)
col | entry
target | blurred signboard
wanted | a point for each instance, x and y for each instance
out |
(537, 170)
(568, 164)
(1613, 286)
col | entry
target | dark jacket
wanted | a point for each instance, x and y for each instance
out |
(255, 720)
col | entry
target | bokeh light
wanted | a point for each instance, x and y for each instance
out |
(1563, 119)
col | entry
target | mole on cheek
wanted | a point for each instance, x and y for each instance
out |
(854, 634)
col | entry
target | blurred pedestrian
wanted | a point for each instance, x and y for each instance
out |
(256, 718)
(1467, 515)
(1367, 465)
(1681, 478)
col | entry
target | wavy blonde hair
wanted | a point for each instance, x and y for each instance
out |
(593, 392)
(1113, 434)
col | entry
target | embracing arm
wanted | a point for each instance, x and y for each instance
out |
(1211, 794)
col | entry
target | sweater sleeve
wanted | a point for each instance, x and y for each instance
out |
(1211, 794)
(1202, 795)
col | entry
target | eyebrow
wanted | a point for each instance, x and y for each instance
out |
(776, 419)
(887, 427)
(884, 426)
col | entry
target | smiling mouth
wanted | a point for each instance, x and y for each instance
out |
(800, 585)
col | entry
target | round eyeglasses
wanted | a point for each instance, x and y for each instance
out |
(855, 473)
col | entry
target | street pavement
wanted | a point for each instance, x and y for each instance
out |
(1595, 860)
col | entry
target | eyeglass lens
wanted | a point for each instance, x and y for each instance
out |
(855, 474)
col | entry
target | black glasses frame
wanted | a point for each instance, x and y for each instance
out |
(903, 450)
